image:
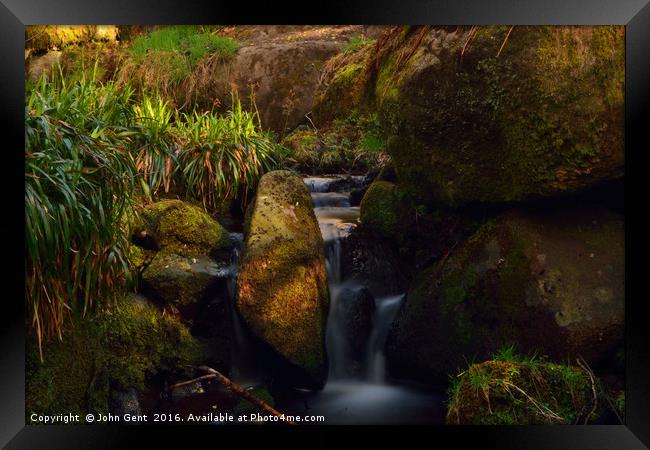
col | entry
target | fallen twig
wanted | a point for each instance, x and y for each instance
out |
(236, 388)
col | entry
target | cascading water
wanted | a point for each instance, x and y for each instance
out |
(243, 368)
(366, 396)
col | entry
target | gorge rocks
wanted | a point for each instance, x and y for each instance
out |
(471, 118)
(546, 281)
(282, 283)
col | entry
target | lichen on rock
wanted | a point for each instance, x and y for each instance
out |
(282, 283)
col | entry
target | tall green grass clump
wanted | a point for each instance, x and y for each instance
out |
(223, 156)
(80, 180)
(171, 52)
(92, 154)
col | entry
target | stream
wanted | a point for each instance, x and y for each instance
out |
(358, 389)
(357, 392)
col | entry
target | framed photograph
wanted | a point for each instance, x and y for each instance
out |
(248, 219)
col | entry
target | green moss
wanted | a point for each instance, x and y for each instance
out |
(353, 144)
(345, 86)
(282, 283)
(45, 37)
(120, 349)
(530, 392)
(536, 127)
(184, 229)
(383, 209)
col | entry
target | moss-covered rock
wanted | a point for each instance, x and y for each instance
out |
(475, 118)
(178, 280)
(385, 209)
(117, 350)
(343, 86)
(282, 283)
(489, 114)
(499, 392)
(551, 281)
(178, 227)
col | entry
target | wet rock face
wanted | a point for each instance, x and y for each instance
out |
(372, 261)
(546, 281)
(282, 283)
(357, 306)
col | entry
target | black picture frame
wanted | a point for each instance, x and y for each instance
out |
(15, 14)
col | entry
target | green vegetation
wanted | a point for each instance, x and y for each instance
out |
(512, 389)
(112, 350)
(79, 190)
(177, 49)
(354, 144)
(223, 155)
(92, 153)
(355, 43)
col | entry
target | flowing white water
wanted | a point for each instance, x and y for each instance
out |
(350, 397)
(243, 367)
(336, 219)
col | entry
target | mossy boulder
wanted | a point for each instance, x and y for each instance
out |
(177, 280)
(385, 209)
(343, 86)
(549, 281)
(177, 227)
(475, 118)
(111, 351)
(282, 282)
(530, 392)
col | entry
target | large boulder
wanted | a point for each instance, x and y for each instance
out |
(546, 281)
(174, 226)
(385, 209)
(282, 76)
(372, 261)
(493, 114)
(282, 283)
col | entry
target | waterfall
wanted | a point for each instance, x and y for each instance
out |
(242, 354)
(358, 395)
(336, 218)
